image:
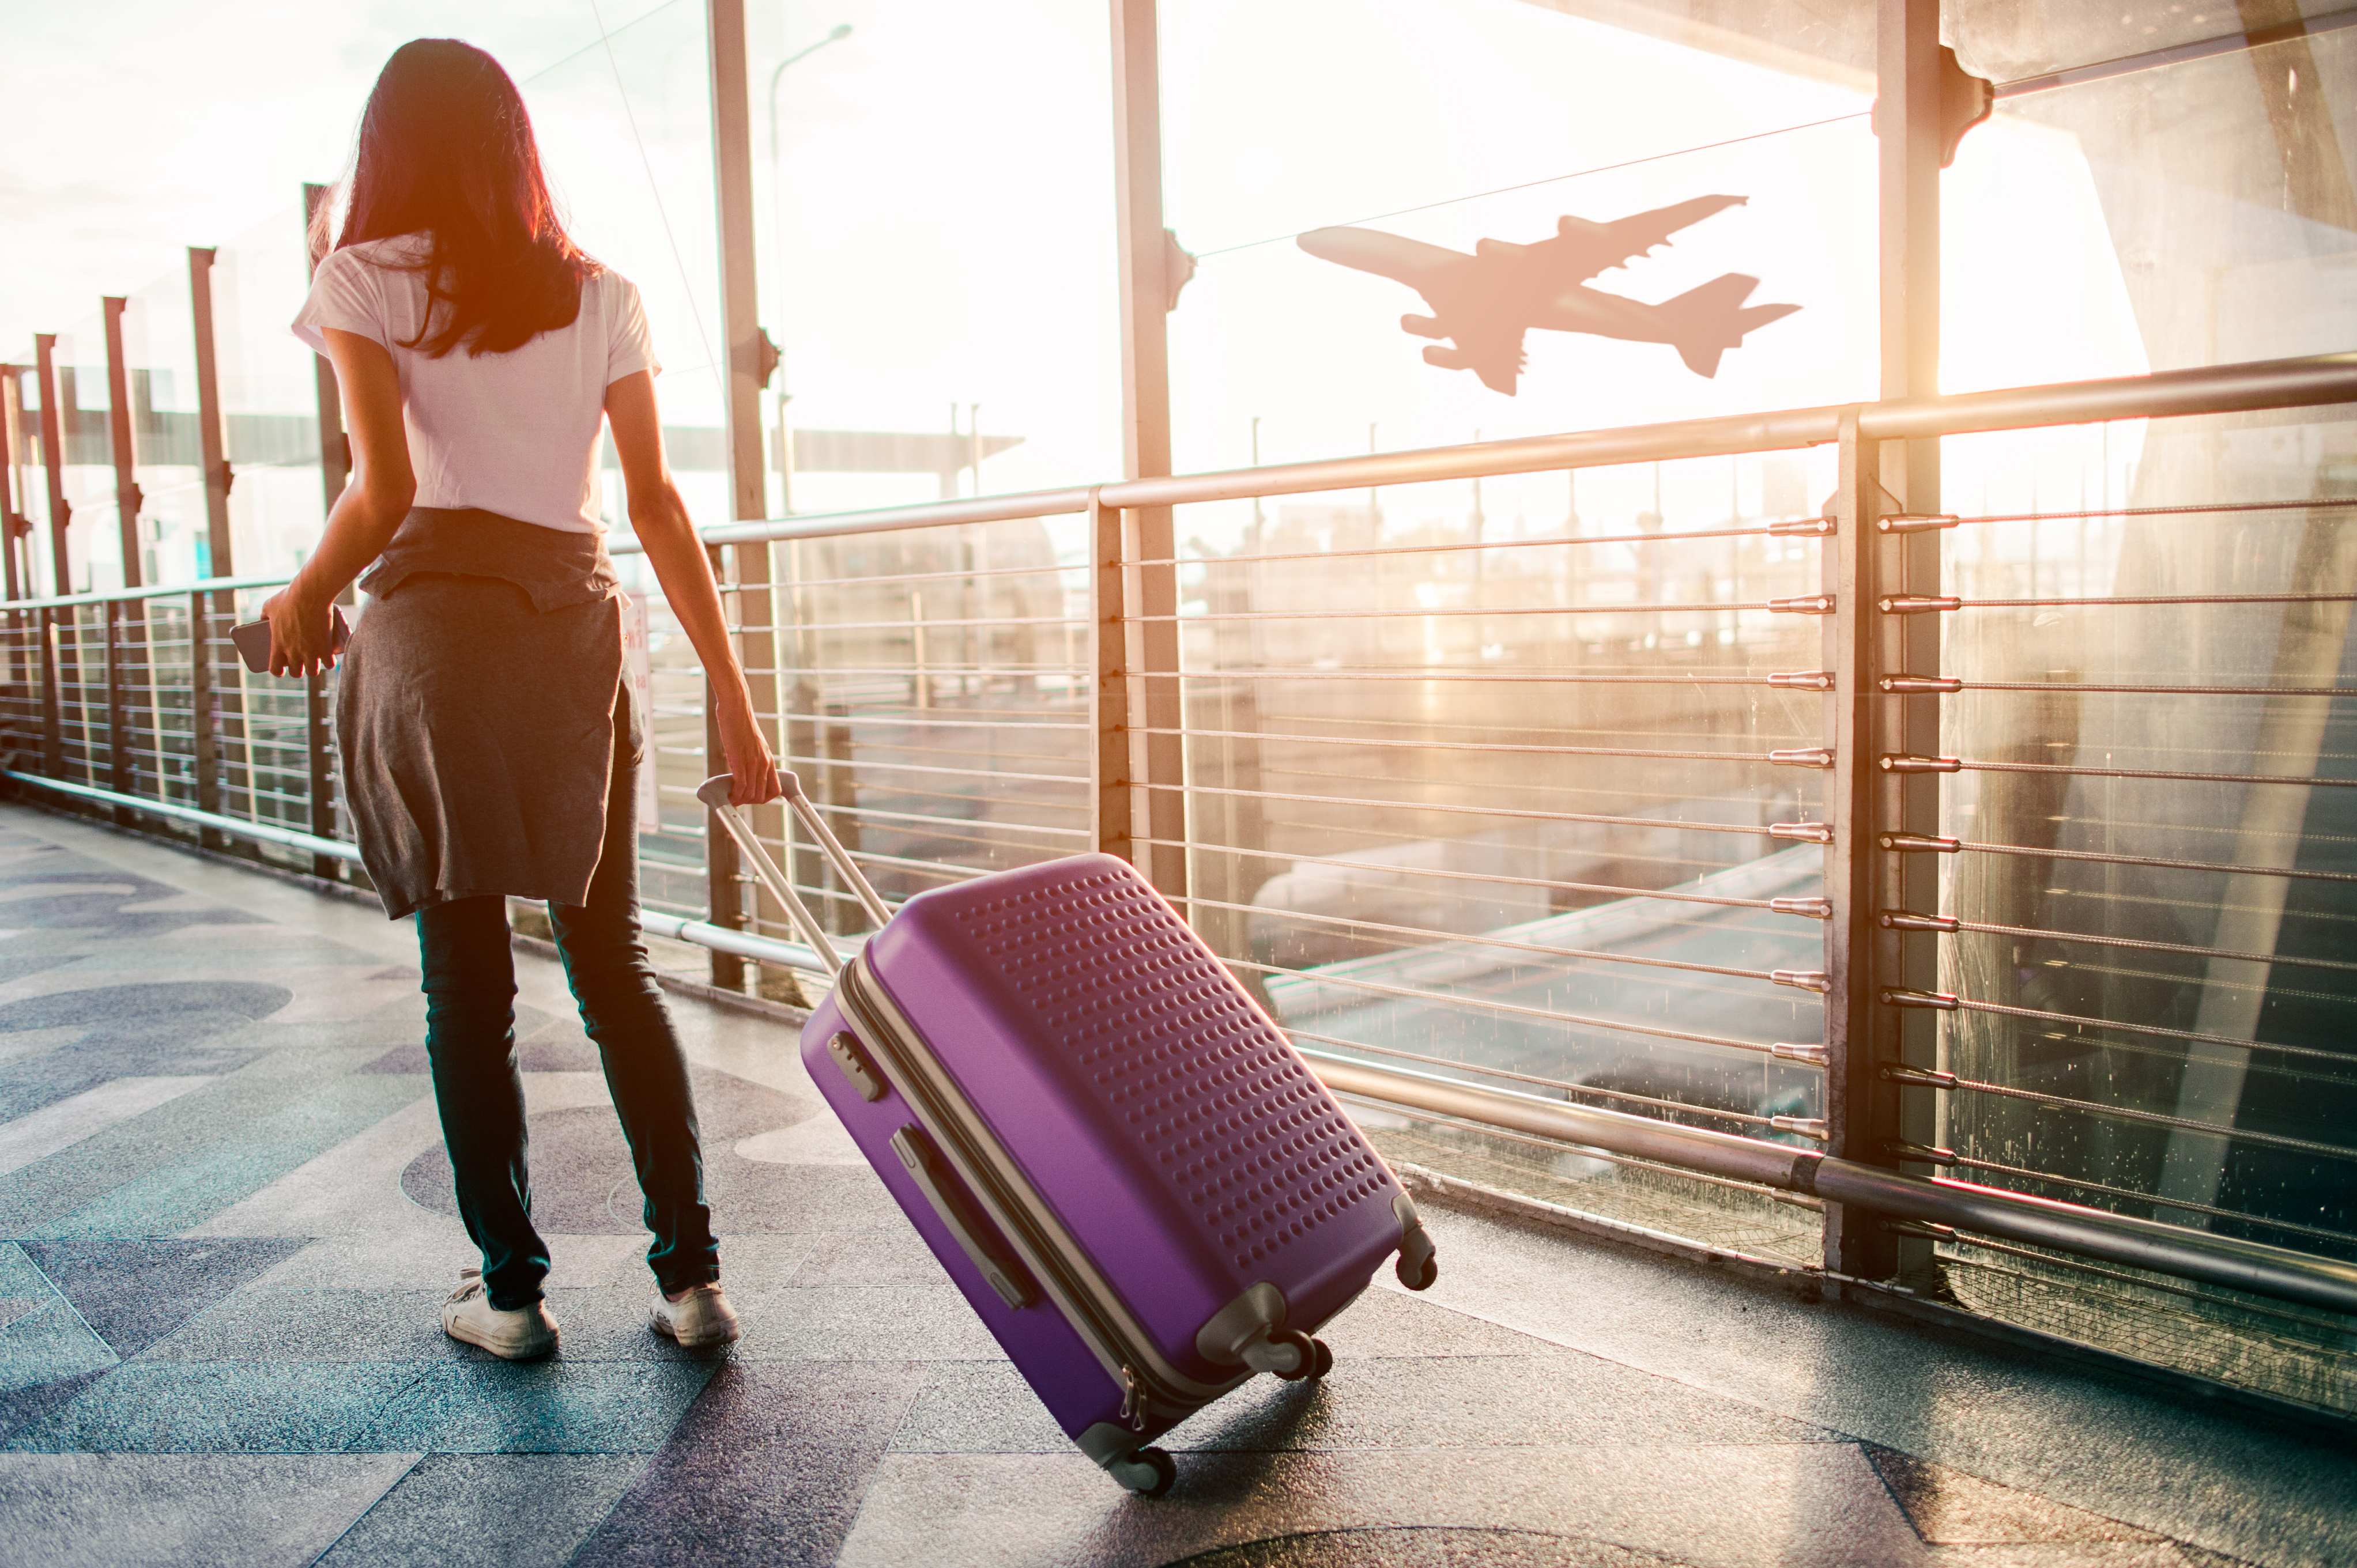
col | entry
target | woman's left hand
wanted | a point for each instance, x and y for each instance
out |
(301, 633)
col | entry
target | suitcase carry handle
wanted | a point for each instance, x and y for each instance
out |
(714, 792)
(978, 1238)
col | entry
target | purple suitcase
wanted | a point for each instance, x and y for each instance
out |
(1125, 1166)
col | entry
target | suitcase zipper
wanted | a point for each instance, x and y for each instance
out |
(1087, 1301)
(1133, 1400)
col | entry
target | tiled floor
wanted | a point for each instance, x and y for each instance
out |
(221, 1169)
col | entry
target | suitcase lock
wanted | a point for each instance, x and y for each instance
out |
(843, 1048)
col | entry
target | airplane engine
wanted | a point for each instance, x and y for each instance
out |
(1449, 359)
(1422, 325)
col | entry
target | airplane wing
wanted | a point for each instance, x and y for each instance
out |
(1581, 249)
(1410, 262)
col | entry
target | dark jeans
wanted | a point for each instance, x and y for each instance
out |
(470, 1038)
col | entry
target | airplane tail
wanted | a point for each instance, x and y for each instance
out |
(1704, 323)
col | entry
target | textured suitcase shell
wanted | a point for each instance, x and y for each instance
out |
(1181, 1146)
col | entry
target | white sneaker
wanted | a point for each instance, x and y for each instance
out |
(517, 1336)
(701, 1317)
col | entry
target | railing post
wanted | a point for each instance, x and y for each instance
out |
(318, 743)
(1109, 681)
(724, 888)
(53, 721)
(201, 715)
(118, 721)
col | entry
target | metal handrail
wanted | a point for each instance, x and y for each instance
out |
(2252, 1266)
(2271, 383)
(170, 591)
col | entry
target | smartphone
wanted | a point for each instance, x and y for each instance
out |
(252, 639)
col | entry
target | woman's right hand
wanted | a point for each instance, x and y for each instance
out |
(747, 750)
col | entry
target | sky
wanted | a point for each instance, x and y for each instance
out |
(148, 126)
(937, 231)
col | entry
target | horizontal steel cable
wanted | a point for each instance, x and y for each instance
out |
(930, 622)
(878, 764)
(2144, 945)
(2141, 1282)
(1758, 757)
(2158, 690)
(1421, 614)
(1440, 673)
(1556, 1145)
(2205, 506)
(2157, 862)
(2154, 1118)
(1969, 765)
(1441, 938)
(2110, 600)
(1608, 888)
(874, 814)
(1967, 1005)
(1459, 810)
(1615, 1094)
(2082, 1184)
(907, 720)
(1382, 552)
(787, 587)
(1514, 1008)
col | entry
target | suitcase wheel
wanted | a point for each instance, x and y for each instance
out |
(1149, 1472)
(1317, 1360)
(1420, 1275)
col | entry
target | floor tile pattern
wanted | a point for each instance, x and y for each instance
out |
(228, 1232)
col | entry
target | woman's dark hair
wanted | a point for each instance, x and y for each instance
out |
(446, 149)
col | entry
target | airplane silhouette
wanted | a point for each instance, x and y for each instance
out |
(1485, 302)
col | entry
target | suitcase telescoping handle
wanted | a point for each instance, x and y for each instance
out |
(714, 792)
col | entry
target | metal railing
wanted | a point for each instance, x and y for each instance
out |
(1635, 845)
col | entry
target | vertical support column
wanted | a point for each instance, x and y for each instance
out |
(211, 431)
(13, 520)
(335, 450)
(127, 497)
(53, 460)
(1145, 250)
(1860, 1032)
(751, 360)
(334, 472)
(1918, 113)
(127, 650)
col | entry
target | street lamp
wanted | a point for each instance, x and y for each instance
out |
(839, 31)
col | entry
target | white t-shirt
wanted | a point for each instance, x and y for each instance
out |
(515, 433)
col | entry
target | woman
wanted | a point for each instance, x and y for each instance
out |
(489, 746)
